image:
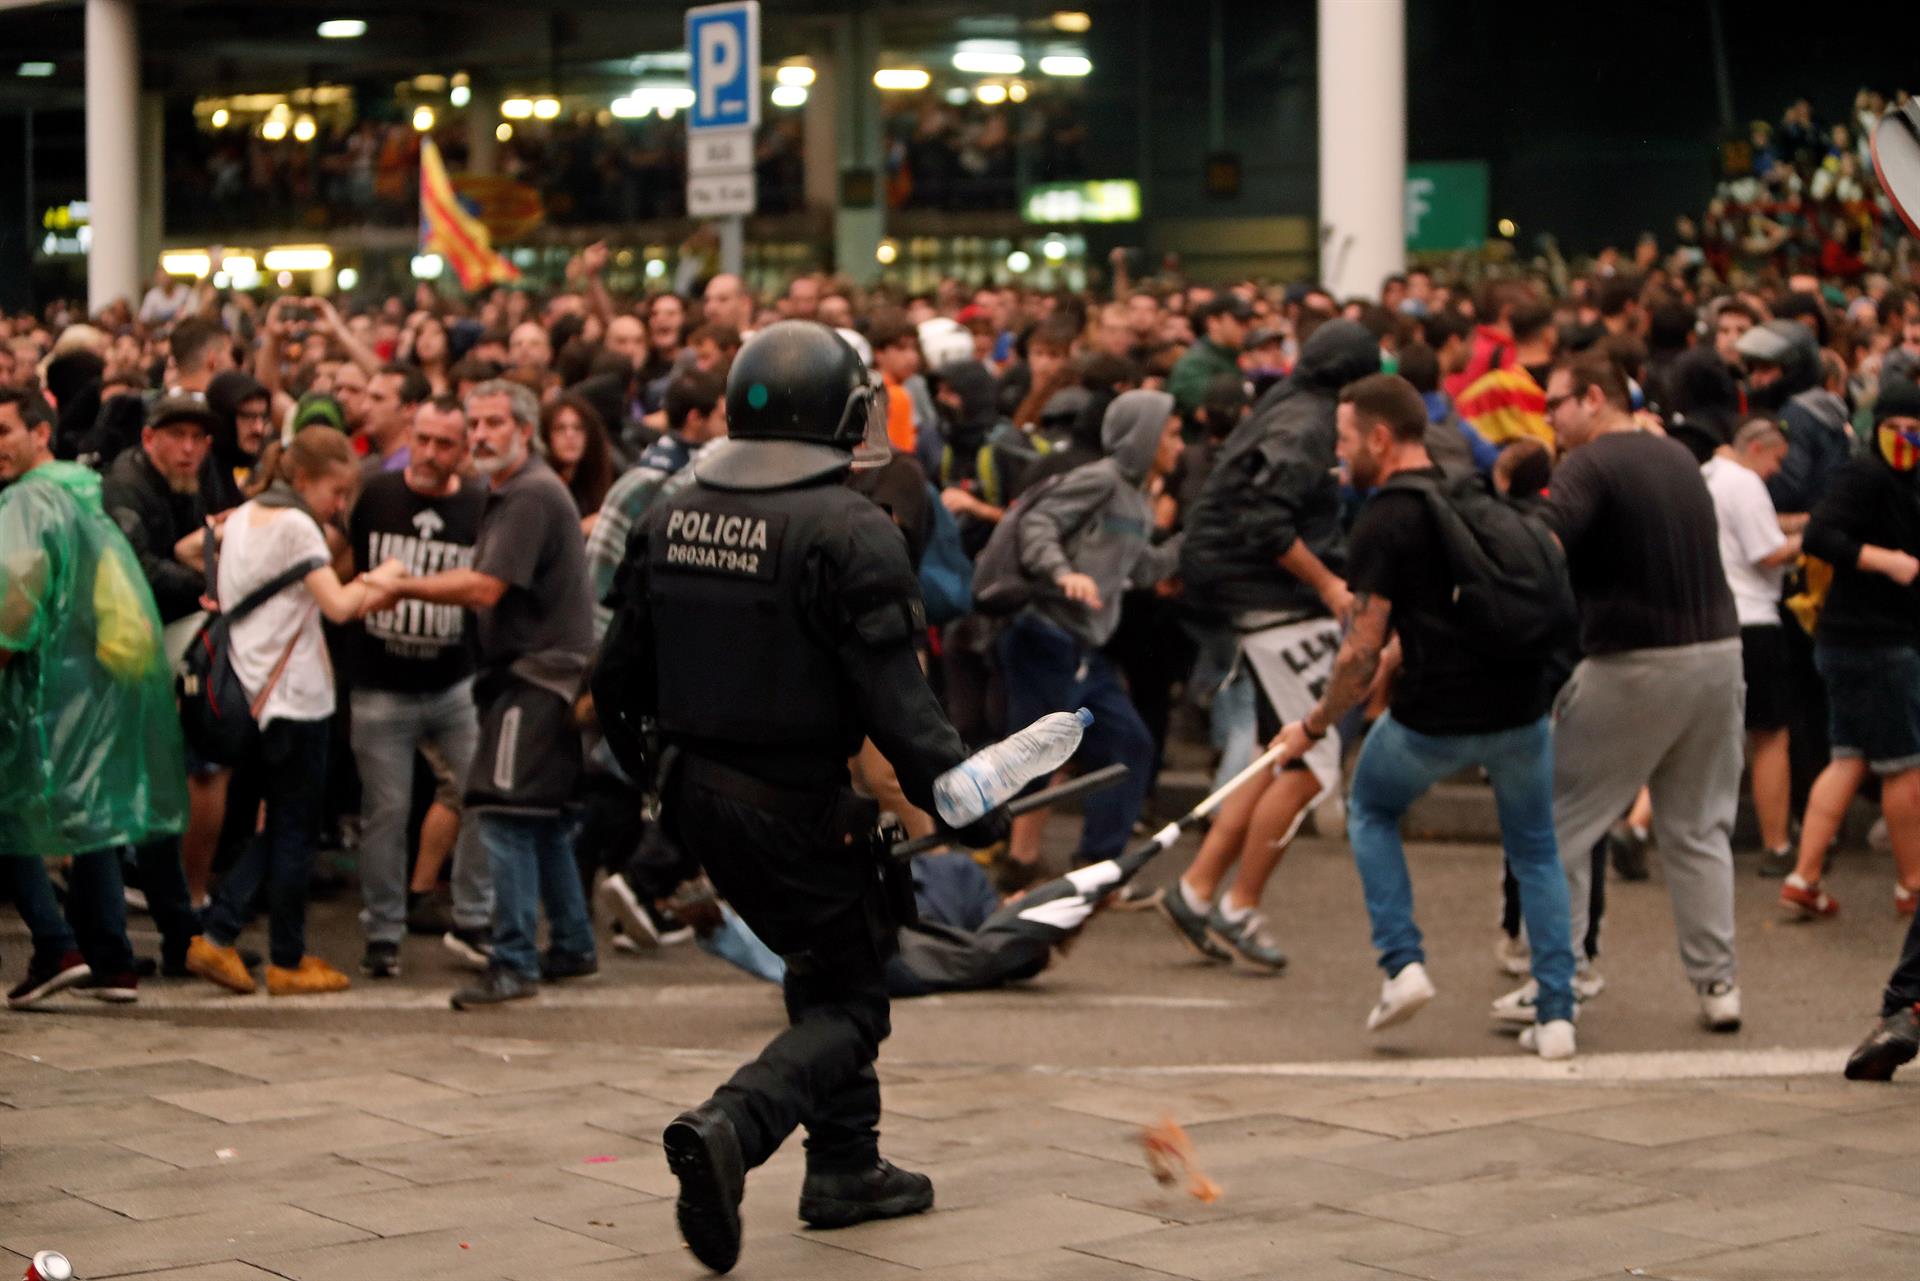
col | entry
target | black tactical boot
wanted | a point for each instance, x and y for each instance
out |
(882, 1191)
(704, 1154)
(1894, 1041)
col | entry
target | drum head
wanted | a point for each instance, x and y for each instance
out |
(1896, 159)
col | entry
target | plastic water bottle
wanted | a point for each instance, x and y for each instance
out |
(992, 775)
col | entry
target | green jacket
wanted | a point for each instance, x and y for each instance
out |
(91, 756)
(1198, 366)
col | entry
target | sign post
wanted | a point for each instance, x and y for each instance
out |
(723, 48)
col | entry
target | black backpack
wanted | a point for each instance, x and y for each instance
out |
(217, 718)
(1512, 598)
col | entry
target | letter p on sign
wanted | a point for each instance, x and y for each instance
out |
(723, 44)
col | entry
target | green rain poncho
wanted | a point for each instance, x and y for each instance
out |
(90, 749)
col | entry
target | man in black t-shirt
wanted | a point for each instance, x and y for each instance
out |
(1453, 707)
(413, 689)
(1659, 698)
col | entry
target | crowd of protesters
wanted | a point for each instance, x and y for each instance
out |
(1149, 499)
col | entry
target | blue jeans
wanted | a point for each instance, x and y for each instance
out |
(531, 858)
(95, 922)
(293, 776)
(1397, 766)
(1046, 670)
(387, 728)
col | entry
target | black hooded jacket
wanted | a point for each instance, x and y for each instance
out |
(1274, 482)
(1702, 402)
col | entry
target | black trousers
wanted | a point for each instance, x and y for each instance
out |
(1596, 902)
(813, 896)
(1903, 988)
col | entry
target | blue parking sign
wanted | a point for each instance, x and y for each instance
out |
(723, 45)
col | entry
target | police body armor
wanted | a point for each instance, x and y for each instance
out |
(741, 659)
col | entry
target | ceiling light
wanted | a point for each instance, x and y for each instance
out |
(346, 278)
(304, 129)
(186, 263)
(298, 258)
(503, 131)
(36, 70)
(460, 96)
(517, 108)
(274, 130)
(956, 96)
(220, 117)
(342, 29)
(1018, 261)
(428, 82)
(422, 119)
(1017, 91)
(629, 109)
(794, 73)
(789, 95)
(656, 268)
(901, 79)
(1071, 20)
(1065, 64)
(989, 62)
(547, 108)
(1053, 249)
(240, 265)
(991, 94)
(886, 252)
(427, 266)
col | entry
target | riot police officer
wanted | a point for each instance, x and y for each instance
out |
(765, 626)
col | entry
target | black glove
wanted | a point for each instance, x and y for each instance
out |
(989, 829)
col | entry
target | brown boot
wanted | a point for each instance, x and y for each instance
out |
(310, 977)
(218, 964)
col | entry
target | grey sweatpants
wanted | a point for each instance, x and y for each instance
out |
(1672, 719)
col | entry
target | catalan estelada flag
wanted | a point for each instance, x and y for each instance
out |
(1506, 404)
(447, 229)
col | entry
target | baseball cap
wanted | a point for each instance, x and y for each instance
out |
(1263, 337)
(179, 405)
(1898, 398)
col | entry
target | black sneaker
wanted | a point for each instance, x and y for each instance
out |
(472, 947)
(704, 1154)
(557, 966)
(47, 977)
(1191, 926)
(883, 1191)
(381, 961)
(114, 989)
(500, 986)
(1775, 864)
(428, 914)
(1894, 1041)
(1628, 852)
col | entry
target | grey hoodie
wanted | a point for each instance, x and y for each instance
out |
(1097, 521)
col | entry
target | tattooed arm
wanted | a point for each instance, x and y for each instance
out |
(1353, 673)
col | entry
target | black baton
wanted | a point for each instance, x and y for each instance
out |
(1097, 781)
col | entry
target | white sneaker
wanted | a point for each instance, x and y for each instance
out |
(1720, 1006)
(1518, 1006)
(1513, 956)
(1551, 1040)
(1401, 997)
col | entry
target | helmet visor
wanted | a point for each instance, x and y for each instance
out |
(867, 413)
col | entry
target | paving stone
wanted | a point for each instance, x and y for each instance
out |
(1851, 1252)
(1496, 1201)
(562, 1147)
(117, 1084)
(1275, 1134)
(231, 1270)
(1251, 1182)
(786, 1257)
(992, 1176)
(510, 1073)
(426, 1208)
(1468, 1154)
(1659, 1121)
(1454, 1107)
(504, 1247)
(1902, 1175)
(379, 1093)
(88, 1120)
(274, 1180)
(36, 1166)
(1739, 1164)
(58, 1214)
(463, 1114)
(971, 1096)
(202, 1144)
(1215, 1098)
(1313, 1243)
(1051, 1265)
(989, 1231)
(1808, 1205)
(1893, 1128)
(230, 1232)
(1563, 1250)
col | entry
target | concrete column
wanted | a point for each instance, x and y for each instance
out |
(114, 268)
(483, 117)
(1363, 143)
(856, 55)
(153, 196)
(820, 133)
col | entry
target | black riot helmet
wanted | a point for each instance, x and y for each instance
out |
(799, 400)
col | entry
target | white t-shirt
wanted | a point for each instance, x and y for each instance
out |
(259, 543)
(1749, 533)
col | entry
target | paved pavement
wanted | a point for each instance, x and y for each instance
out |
(379, 1135)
